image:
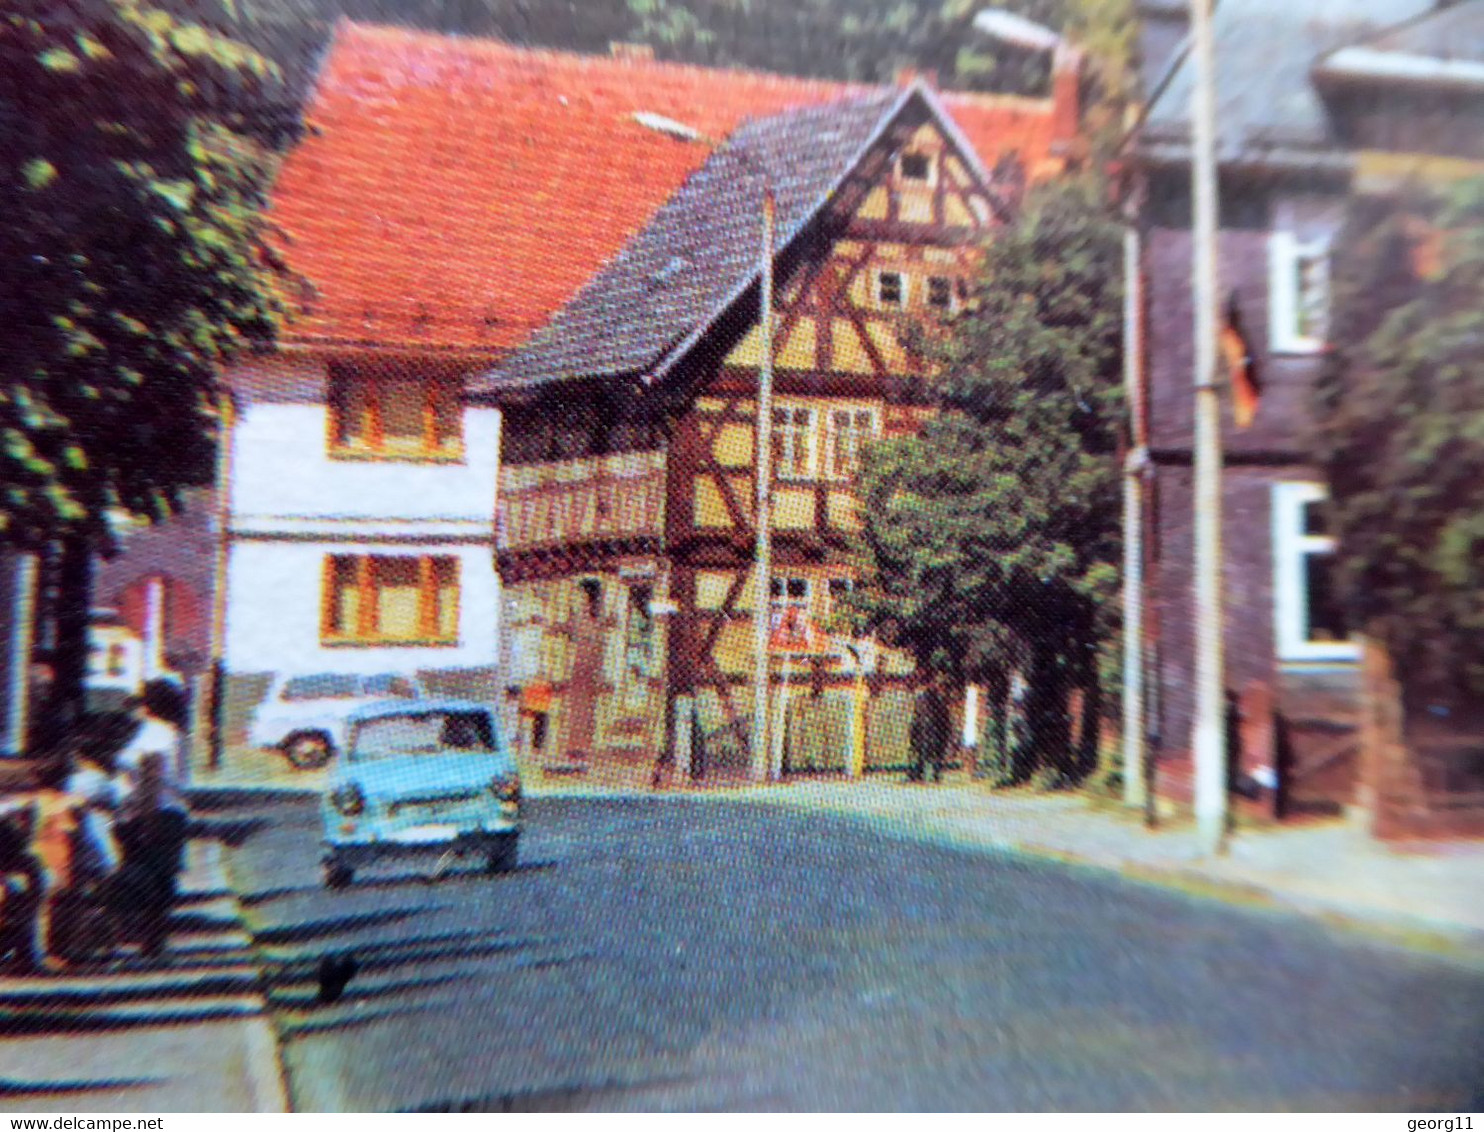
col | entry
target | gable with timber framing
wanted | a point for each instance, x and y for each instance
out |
(877, 240)
(840, 349)
(905, 250)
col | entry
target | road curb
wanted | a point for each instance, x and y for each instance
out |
(204, 799)
(267, 1082)
(1399, 929)
(1412, 932)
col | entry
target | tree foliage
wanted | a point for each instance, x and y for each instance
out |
(992, 536)
(859, 40)
(135, 263)
(1400, 433)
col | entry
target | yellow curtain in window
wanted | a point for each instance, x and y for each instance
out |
(397, 599)
(347, 610)
(446, 578)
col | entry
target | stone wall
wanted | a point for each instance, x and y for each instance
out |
(1423, 776)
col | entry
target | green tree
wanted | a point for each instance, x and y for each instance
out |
(860, 40)
(135, 268)
(1400, 433)
(991, 538)
(868, 40)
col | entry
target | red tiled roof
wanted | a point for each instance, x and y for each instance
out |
(451, 193)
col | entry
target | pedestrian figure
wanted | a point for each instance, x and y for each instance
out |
(97, 791)
(22, 887)
(151, 821)
(932, 731)
(151, 835)
(53, 839)
(160, 717)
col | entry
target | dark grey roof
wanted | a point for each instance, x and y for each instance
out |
(1265, 54)
(1445, 47)
(1455, 32)
(702, 249)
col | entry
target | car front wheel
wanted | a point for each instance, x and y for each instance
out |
(308, 750)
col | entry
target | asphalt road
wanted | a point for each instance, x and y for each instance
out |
(703, 954)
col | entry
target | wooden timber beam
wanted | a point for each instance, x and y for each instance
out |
(901, 232)
(557, 560)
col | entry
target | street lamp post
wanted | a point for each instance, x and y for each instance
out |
(761, 764)
(763, 551)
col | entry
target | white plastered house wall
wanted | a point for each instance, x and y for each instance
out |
(294, 505)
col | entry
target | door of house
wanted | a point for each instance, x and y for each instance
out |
(587, 673)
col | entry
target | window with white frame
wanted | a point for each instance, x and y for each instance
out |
(891, 289)
(1308, 621)
(848, 432)
(1298, 292)
(789, 600)
(793, 442)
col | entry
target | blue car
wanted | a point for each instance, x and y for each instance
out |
(421, 777)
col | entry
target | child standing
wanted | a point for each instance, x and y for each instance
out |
(53, 832)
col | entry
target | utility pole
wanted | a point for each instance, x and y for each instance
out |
(216, 678)
(761, 763)
(1208, 739)
(762, 558)
(1135, 756)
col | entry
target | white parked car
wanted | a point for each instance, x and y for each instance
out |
(306, 717)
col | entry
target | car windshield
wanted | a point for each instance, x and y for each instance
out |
(344, 686)
(424, 734)
(323, 686)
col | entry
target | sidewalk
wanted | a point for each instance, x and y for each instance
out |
(185, 1033)
(249, 769)
(1423, 894)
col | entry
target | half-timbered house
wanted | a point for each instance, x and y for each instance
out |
(449, 196)
(627, 491)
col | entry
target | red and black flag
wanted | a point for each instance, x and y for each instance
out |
(1241, 365)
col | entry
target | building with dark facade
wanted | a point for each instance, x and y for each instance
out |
(1317, 100)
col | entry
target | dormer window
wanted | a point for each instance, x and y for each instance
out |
(891, 289)
(916, 167)
(379, 416)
